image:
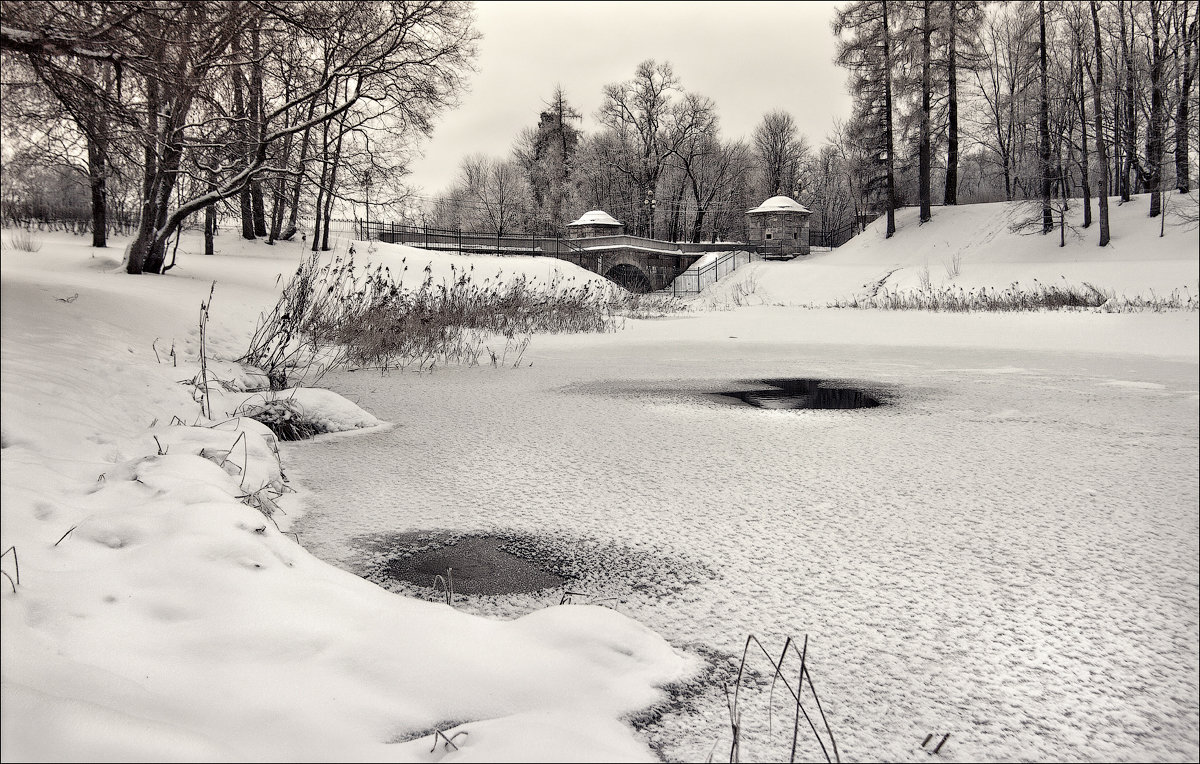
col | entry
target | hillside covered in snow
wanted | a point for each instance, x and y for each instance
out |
(985, 246)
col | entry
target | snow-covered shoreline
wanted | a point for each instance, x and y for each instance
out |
(172, 621)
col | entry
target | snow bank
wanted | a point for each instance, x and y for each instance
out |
(161, 616)
(412, 264)
(976, 246)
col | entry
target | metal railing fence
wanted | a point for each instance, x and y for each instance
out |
(693, 281)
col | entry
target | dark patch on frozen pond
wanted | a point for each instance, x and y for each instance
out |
(508, 566)
(475, 565)
(782, 393)
(805, 394)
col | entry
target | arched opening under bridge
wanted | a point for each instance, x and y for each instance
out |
(630, 277)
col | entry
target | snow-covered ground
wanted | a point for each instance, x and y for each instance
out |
(974, 246)
(1007, 552)
(159, 617)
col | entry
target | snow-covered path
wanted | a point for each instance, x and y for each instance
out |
(1006, 553)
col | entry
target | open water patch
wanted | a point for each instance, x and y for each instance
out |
(781, 393)
(524, 570)
(467, 565)
(800, 393)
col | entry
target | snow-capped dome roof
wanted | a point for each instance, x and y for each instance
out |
(780, 204)
(595, 217)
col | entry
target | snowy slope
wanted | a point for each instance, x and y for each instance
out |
(980, 239)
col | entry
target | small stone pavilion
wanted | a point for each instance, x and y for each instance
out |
(779, 225)
(594, 223)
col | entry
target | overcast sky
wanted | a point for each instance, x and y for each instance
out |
(749, 57)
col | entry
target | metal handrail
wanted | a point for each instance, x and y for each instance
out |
(731, 259)
(513, 243)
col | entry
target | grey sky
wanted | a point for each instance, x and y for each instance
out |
(749, 57)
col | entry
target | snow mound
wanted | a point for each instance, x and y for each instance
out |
(325, 409)
(412, 265)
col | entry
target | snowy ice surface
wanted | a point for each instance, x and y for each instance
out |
(1006, 552)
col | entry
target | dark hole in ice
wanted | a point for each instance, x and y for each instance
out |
(805, 394)
(478, 564)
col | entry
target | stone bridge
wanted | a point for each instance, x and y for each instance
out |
(637, 263)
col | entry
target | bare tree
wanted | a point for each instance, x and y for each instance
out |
(711, 169)
(1003, 83)
(402, 58)
(639, 113)
(1128, 110)
(779, 151)
(493, 193)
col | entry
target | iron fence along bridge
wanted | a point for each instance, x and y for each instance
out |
(466, 242)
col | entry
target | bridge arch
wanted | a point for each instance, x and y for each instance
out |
(630, 276)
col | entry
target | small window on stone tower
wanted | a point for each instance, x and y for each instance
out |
(768, 234)
(795, 236)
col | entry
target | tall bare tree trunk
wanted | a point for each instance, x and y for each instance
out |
(951, 193)
(257, 208)
(246, 207)
(329, 194)
(319, 207)
(924, 150)
(1117, 127)
(675, 229)
(1101, 150)
(243, 117)
(141, 242)
(1187, 74)
(278, 198)
(887, 105)
(97, 150)
(1154, 131)
(1084, 175)
(1044, 125)
(294, 208)
(1129, 135)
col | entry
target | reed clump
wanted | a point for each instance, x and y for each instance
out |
(1019, 297)
(336, 313)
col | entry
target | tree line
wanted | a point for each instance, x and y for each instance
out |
(658, 162)
(1057, 103)
(275, 113)
(272, 107)
(1053, 102)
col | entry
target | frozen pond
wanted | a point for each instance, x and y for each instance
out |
(1005, 552)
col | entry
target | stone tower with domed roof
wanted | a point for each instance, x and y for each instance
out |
(779, 226)
(594, 223)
